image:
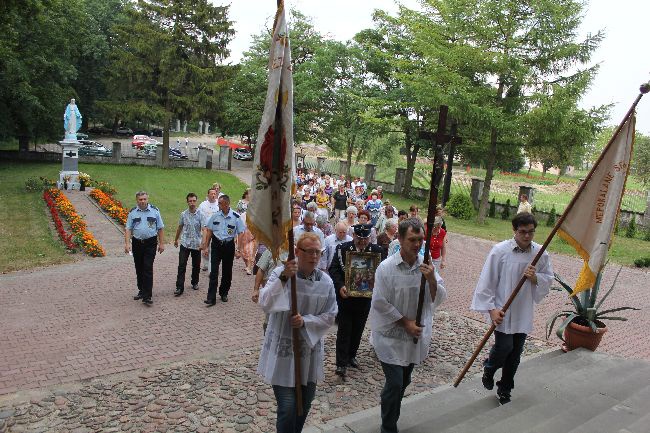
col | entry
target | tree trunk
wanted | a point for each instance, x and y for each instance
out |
(412, 150)
(168, 121)
(350, 146)
(115, 120)
(23, 143)
(530, 166)
(489, 174)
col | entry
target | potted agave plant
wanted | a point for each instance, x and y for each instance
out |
(582, 326)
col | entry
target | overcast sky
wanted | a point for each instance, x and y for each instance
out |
(623, 55)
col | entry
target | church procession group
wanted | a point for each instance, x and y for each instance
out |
(346, 274)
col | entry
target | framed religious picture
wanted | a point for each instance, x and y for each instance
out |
(360, 273)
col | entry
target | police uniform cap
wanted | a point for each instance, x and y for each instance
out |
(362, 230)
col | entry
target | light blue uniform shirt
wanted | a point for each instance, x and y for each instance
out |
(225, 227)
(144, 224)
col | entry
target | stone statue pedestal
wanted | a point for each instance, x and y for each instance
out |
(70, 165)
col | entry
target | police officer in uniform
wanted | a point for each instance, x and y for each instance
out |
(144, 231)
(353, 312)
(221, 229)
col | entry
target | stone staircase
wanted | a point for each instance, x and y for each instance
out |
(577, 392)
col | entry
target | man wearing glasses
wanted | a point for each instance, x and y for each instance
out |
(309, 226)
(505, 265)
(316, 305)
(353, 312)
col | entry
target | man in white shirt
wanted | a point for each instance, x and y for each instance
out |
(316, 305)
(507, 262)
(207, 208)
(392, 317)
(339, 236)
(309, 225)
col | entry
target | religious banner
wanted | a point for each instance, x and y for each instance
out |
(589, 225)
(269, 211)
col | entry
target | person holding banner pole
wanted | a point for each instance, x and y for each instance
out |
(504, 266)
(317, 308)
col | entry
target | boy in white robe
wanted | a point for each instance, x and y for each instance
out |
(392, 317)
(507, 262)
(316, 312)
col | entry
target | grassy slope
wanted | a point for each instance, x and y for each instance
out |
(27, 239)
(623, 250)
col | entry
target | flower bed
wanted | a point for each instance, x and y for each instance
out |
(60, 205)
(113, 207)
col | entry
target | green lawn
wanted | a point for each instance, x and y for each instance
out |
(30, 241)
(624, 251)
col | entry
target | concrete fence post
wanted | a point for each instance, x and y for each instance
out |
(477, 191)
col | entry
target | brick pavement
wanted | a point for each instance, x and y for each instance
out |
(77, 321)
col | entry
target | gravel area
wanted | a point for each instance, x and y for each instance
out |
(225, 394)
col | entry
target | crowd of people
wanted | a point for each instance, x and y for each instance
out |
(358, 259)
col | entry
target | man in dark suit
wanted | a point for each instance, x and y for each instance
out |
(353, 311)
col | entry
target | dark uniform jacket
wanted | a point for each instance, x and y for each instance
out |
(337, 273)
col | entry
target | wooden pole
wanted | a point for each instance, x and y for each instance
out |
(558, 224)
(436, 175)
(295, 332)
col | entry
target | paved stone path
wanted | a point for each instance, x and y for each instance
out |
(67, 330)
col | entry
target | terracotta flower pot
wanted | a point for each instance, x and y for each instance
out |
(576, 335)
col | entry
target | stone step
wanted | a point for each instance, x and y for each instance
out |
(538, 397)
(626, 413)
(640, 426)
(602, 394)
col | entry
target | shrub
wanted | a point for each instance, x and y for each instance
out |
(38, 183)
(550, 221)
(533, 210)
(642, 262)
(630, 231)
(460, 206)
(492, 212)
(505, 213)
(646, 235)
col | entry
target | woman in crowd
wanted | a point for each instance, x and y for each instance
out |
(351, 216)
(242, 205)
(306, 196)
(363, 217)
(386, 237)
(373, 206)
(246, 245)
(438, 244)
(340, 202)
(322, 202)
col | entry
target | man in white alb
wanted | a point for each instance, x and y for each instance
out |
(316, 305)
(392, 317)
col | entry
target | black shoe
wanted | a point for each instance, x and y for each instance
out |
(354, 364)
(224, 298)
(210, 303)
(147, 301)
(504, 397)
(138, 296)
(340, 371)
(195, 287)
(488, 381)
(178, 292)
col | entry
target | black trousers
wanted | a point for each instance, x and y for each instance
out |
(183, 256)
(351, 323)
(144, 253)
(505, 354)
(222, 252)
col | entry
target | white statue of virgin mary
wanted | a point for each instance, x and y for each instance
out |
(71, 120)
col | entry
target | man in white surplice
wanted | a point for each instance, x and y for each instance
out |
(507, 262)
(317, 310)
(392, 317)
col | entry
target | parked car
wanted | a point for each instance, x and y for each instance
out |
(142, 131)
(139, 140)
(156, 132)
(93, 151)
(80, 136)
(242, 154)
(124, 131)
(99, 130)
(95, 144)
(153, 142)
